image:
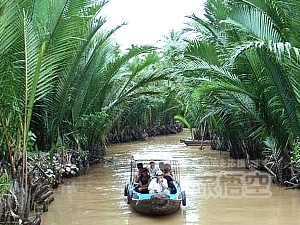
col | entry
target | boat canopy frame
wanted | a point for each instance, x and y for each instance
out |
(147, 158)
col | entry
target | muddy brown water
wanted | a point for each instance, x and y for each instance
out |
(218, 191)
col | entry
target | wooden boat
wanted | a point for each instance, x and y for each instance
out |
(193, 142)
(155, 204)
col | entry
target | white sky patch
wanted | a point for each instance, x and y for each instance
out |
(148, 21)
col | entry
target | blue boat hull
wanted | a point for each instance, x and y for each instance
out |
(155, 204)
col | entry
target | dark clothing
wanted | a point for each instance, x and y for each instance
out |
(171, 185)
(144, 181)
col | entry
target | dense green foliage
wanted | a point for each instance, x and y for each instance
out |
(234, 72)
(64, 80)
(242, 72)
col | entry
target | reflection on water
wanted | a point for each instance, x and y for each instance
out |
(218, 190)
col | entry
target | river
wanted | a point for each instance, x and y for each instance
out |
(218, 191)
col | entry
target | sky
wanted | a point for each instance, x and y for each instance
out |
(148, 21)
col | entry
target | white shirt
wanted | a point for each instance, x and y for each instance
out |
(155, 185)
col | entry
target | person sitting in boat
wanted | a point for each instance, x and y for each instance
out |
(168, 171)
(152, 168)
(144, 180)
(167, 168)
(137, 174)
(169, 177)
(159, 184)
(161, 166)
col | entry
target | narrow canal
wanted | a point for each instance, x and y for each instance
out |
(219, 191)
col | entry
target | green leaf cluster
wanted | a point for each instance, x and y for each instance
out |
(240, 74)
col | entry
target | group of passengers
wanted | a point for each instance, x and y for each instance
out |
(153, 179)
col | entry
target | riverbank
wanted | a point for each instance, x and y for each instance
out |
(46, 173)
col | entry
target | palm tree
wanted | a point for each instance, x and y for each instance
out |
(43, 45)
(244, 63)
(145, 90)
